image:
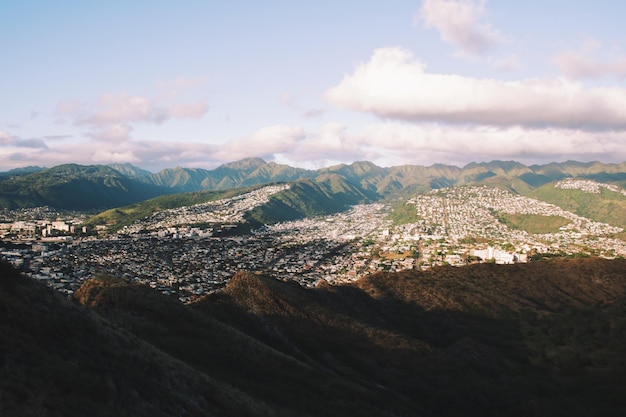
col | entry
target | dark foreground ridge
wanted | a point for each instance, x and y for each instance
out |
(538, 339)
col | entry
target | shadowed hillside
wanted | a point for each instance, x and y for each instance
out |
(526, 339)
(233, 353)
(539, 339)
(59, 359)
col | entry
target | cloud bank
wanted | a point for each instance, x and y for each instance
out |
(394, 85)
(386, 143)
(112, 116)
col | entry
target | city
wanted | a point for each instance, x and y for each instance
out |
(170, 252)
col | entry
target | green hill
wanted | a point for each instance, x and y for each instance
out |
(533, 223)
(130, 170)
(328, 194)
(244, 173)
(126, 215)
(606, 206)
(74, 187)
(307, 198)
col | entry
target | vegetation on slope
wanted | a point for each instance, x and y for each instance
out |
(119, 217)
(533, 223)
(607, 206)
(227, 350)
(307, 198)
(403, 214)
(74, 187)
(303, 198)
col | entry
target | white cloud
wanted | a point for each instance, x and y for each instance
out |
(112, 115)
(109, 156)
(152, 155)
(291, 144)
(586, 62)
(430, 143)
(264, 143)
(123, 108)
(389, 143)
(396, 86)
(188, 111)
(425, 144)
(110, 132)
(460, 23)
(333, 143)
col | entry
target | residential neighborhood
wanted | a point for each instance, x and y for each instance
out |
(452, 226)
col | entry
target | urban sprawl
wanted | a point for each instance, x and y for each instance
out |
(166, 251)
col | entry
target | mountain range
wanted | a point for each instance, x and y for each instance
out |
(538, 339)
(77, 187)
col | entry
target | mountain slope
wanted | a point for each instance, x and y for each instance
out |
(307, 198)
(546, 338)
(87, 187)
(74, 187)
(130, 170)
(534, 339)
(602, 204)
(124, 216)
(287, 384)
(303, 198)
(243, 173)
(58, 359)
(21, 171)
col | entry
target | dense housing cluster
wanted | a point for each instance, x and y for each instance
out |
(166, 251)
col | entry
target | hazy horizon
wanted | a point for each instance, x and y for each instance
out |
(199, 84)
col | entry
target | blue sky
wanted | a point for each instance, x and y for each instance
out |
(200, 83)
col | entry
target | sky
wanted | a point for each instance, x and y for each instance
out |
(199, 83)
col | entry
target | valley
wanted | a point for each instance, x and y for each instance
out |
(192, 250)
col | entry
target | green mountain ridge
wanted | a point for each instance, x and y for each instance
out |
(130, 170)
(386, 181)
(76, 187)
(304, 198)
(126, 215)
